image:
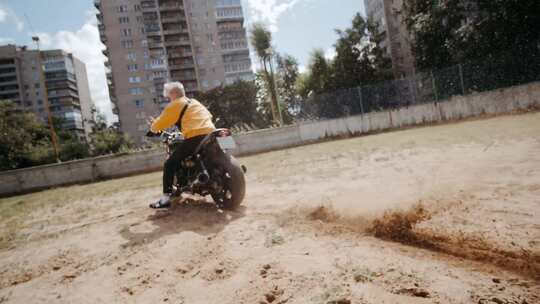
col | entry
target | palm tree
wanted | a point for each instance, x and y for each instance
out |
(261, 40)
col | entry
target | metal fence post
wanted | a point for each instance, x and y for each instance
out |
(412, 84)
(359, 88)
(434, 86)
(460, 68)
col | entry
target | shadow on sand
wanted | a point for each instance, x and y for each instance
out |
(196, 216)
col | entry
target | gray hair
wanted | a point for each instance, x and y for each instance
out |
(175, 86)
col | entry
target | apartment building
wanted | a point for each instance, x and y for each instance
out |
(65, 81)
(201, 43)
(397, 43)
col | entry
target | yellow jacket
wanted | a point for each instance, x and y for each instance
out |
(196, 121)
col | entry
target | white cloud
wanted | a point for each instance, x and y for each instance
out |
(8, 15)
(3, 15)
(269, 11)
(86, 46)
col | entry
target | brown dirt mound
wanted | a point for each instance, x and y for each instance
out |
(400, 226)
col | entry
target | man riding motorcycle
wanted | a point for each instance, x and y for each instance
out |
(193, 120)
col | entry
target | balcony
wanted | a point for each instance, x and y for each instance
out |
(8, 72)
(103, 38)
(9, 91)
(235, 51)
(177, 43)
(172, 6)
(153, 33)
(105, 52)
(97, 4)
(173, 19)
(53, 94)
(180, 55)
(62, 85)
(175, 31)
(155, 45)
(182, 66)
(230, 18)
(148, 6)
(229, 73)
(11, 81)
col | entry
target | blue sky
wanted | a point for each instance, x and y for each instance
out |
(298, 26)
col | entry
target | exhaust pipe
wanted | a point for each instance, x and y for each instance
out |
(203, 178)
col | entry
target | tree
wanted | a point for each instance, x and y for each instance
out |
(359, 58)
(261, 40)
(108, 140)
(287, 70)
(235, 105)
(18, 132)
(450, 32)
(433, 27)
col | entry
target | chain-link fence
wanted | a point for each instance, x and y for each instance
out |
(506, 69)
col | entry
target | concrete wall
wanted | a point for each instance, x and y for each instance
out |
(80, 171)
(458, 107)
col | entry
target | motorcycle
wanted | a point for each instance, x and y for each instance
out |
(211, 170)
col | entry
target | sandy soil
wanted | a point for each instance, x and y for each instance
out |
(442, 214)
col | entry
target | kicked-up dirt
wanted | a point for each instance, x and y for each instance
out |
(441, 214)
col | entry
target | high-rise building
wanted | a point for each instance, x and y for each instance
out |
(397, 43)
(201, 43)
(65, 80)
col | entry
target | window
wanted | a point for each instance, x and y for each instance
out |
(126, 32)
(127, 44)
(134, 79)
(123, 20)
(137, 7)
(205, 83)
(160, 74)
(131, 56)
(144, 43)
(121, 8)
(140, 19)
(136, 91)
(36, 85)
(139, 103)
(133, 67)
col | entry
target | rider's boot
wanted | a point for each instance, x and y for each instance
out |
(164, 202)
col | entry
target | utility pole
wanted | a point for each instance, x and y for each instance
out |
(46, 100)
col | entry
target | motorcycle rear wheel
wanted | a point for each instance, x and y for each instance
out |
(234, 185)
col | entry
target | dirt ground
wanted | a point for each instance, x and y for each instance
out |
(441, 214)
